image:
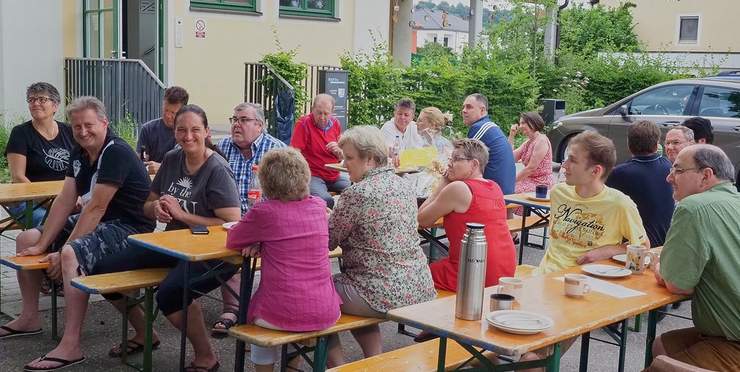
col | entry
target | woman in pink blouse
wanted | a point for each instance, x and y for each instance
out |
(289, 231)
(535, 153)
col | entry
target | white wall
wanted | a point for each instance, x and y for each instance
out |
(30, 51)
(372, 24)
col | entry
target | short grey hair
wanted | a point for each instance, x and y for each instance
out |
(44, 88)
(406, 103)
(687, 132)
(87, 103)
(710, 156)
(481, 99)
(321, 96)
(259, 111)
(368, 141)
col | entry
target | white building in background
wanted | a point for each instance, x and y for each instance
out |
(433, 26)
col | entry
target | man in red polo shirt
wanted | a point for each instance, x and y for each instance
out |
(316, 135)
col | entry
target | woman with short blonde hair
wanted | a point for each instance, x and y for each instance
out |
(284, 175)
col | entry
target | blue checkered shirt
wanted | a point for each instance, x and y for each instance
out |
(242, 167)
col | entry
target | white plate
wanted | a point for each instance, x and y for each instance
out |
(606, 271)
(623, 258)
(519, 322)
(229, 225)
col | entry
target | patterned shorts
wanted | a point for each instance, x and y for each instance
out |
(108, 237)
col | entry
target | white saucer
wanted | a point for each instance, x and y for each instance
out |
(229, 225)
(519, 322)
(606, 271)
(623, 258)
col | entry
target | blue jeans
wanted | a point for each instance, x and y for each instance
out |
(321, 188)
(19, 214)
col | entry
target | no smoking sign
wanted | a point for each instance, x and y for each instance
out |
(200, 28)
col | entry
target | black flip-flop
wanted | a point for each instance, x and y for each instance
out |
(64, 363)
(218, 332)
(194, 368)
(132, 347)
(16, 333)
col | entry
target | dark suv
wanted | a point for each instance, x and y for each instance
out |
(667, 104)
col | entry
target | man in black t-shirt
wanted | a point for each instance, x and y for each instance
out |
(105, 172)
(157, 137)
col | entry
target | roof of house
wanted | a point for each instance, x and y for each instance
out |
(427, 19)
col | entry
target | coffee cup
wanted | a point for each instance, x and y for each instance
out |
(637, 258)
(510, 285)
(501, 301)
(576, 285)
(540, 191)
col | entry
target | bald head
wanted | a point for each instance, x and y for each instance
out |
(321, 109)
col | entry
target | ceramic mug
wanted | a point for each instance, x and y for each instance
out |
(540, 191)
(636, 258)
(510, 285)
(576, 285)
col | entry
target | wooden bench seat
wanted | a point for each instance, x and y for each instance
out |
(25, 262)
(515, 224)
(257, 335)
(121, 281)
(417, 357)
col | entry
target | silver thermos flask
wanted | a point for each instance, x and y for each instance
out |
(471, 275)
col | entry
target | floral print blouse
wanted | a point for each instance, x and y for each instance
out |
(375, 224)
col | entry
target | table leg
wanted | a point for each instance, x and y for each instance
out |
(623, 344)
(54, 318)
(148, 334)
(442, 354)
(585, 339)
(320, 354)
(526, 210)
(184, 324)
(652, 323)
(553, 365)
(245, 294)
(124, 328)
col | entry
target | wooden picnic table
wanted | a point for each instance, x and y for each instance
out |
(543, 295)
(530, 205)
(401, 170)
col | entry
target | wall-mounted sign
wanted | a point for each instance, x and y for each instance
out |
(200, 28)
(336, 84)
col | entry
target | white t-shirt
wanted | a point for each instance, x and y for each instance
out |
(409, 139)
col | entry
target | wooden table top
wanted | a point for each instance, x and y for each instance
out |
(185, 245)
(15, 192)
(543, 295)
(525, 199)
(341, 168)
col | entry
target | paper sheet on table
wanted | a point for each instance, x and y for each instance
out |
(420, 157)
(610, 289)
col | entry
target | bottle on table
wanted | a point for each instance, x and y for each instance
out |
(395, 151)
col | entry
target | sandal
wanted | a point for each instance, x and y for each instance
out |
(132, 347)
(16, 333)
(194, 368)
(63, 363)
(220, 328)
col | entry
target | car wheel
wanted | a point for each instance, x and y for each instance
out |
(563, 149)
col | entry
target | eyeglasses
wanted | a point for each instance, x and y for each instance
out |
(676, 170)
(41, 100)
(453, 159)
(242, 120)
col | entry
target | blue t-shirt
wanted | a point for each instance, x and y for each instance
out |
(500, 167)
(643, 179)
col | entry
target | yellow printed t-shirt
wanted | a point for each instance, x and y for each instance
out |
(578, 225)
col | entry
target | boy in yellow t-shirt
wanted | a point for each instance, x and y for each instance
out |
(588, 220)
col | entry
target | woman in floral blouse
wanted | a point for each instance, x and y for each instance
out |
(375, 224)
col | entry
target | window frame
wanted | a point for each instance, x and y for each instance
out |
(681, 18)
(224, 6)
(304, 11)
(701, 99)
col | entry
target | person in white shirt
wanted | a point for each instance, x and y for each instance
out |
(402, 126)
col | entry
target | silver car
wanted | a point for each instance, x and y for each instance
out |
(666, 104)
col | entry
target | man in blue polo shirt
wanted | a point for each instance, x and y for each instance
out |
(500, 168)
(643, 179)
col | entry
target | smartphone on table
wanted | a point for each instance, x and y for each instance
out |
(199, 230)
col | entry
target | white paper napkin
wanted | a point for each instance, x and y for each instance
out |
(610, 289)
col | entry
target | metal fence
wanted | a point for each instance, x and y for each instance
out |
(262, 84)
(127, 87)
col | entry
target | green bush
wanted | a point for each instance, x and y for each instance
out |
(127, 129)
(293, 72)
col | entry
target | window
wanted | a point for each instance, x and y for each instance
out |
(435, 39)
(688, 31)
(668, 100)
(446, 41)
(228, 5)
(720, 102)
(309, 8)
